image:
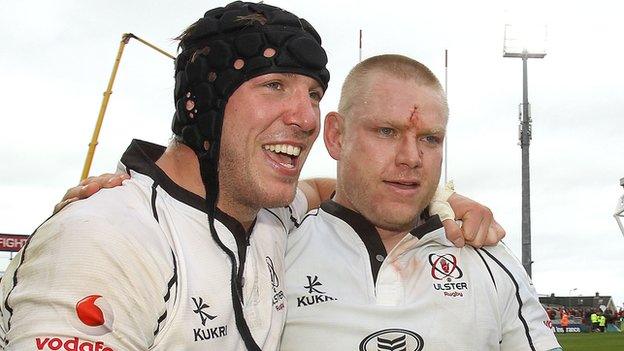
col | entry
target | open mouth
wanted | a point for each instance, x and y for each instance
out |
(283, 154)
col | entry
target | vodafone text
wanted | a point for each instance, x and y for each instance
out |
(73, 344)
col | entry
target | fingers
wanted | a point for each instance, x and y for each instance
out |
(479, 227)
(482, 232)
(495, 234)
(116, 180)
(90, 186)
(454, 232)
(89, 189)
(471, 223)
(490, 233)
(63, 203)
(106, 180)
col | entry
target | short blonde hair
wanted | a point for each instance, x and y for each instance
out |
(398, 66)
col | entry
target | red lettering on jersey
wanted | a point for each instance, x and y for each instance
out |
(73, 344)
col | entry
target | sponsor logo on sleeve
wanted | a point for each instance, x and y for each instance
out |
(315, 294)
(94, 316)
(445, 269)
(393, 340)
(206, 332)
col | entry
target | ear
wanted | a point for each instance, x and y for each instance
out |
(333, 134)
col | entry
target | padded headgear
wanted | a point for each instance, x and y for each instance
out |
(222, 50)
(227, 47)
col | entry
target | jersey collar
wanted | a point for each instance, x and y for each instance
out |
(369, 234)
(141, 157)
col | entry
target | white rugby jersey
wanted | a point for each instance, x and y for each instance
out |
(346, 293)
(136, 268)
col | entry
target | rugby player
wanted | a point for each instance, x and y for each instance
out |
(372, 269)
(189, 253)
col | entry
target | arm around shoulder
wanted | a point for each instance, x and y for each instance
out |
(317, 190)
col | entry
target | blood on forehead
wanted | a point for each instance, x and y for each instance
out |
(414, 115)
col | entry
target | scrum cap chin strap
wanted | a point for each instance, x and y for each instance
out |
(221, 51)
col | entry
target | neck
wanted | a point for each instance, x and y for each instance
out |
(389, 237)
(180, 164)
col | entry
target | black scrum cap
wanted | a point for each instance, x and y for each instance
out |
(222, 50)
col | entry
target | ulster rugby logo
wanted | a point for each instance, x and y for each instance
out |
(444, 266)
(393, 340)
(275, 283)
(95, 316)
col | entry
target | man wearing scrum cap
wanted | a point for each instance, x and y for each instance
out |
(139, 267)
(403, 285)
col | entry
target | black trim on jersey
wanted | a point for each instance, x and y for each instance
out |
(279, 219)
(431, 223)
(524, 323)
(235, 291)
(141, 156)
(172, 281)
(24, 248)
(160, 320)
(369, 234)
(364, 229)
(292, 218)
(488, 267)
(174, 278)
(297, 224)
(309, 214)
(154, 201)
(242, 242)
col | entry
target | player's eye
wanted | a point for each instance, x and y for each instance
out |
(386, 131)
(274, 85)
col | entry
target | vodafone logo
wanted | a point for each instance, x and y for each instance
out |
(95, 316)
(73, 344)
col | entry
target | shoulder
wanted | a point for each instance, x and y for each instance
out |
(504, 261)
(118, 218)
(311, 232)
(291, 216)
(125, 209)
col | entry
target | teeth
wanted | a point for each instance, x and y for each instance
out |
(284, 149)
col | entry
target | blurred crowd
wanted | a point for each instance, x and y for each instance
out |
(595, 318)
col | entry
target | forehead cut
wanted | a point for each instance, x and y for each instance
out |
(356, 88)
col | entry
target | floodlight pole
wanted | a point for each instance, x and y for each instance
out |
(525, 141)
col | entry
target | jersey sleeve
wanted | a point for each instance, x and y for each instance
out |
(82, 284)
(525, 325)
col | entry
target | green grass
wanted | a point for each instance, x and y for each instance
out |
(591, 341)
